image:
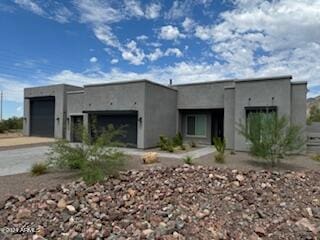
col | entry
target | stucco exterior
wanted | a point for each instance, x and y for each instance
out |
(163, 110)
(59, 93)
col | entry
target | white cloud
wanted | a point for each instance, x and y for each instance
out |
(133, 8)
(179, 9)
(170, 32)
(31, 6)
(93, 60)
(114, 61)
(132, 53)
(173, 51)
(96, 11)
(105, 35)
(12, 88)
(62, 14)
(52, 10)
(153, 11)
(142, 37)
(155, 55)
(204, 33)
(188, 24)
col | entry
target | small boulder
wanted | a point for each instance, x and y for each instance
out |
(62, 204)
(150, 157)
(23, 213)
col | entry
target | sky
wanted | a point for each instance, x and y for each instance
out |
(80, 42)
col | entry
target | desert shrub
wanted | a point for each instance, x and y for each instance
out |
(314, 114)
(271, 137)
(3, 127)
(188, 160)
(220, 145)
(13, 123)
(39, 169)
(316, 157)
(166, 144)
(177, 140)
(94, 158)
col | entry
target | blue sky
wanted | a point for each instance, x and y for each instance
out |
(89, 41)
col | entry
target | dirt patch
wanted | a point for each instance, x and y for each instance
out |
(243, 161)
(12, 142)
(11, 135)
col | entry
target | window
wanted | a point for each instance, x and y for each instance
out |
(197, 125)
(255, 113)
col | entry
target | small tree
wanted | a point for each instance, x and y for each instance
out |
(271, 137)
(314, 114)
(94, 158)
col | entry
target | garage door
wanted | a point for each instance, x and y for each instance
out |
(42, 116)
(118, 120)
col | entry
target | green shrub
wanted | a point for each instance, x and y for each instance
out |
(95, 159)
(177, 140)
(39, 169)
(314, 114)
(220, 144)
(316, 157)
(166, 144)
(271, 137)
(13, 123)
(3, 127)
(183, 147)
(188, 160)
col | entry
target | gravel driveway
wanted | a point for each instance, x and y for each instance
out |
(20, 160)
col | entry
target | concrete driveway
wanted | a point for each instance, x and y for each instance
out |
(20, 160)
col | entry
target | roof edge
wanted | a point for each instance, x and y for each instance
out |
(129, 82)
(236, 80)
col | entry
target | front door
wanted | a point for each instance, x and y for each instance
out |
(217, 124)
(77, 128)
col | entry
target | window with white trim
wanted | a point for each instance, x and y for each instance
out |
(197, 125)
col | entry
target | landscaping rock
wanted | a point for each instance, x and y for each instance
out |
(150, 157)
(173, 203)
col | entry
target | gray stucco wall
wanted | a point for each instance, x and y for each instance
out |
(160, 113)
(260, 93)
(299, 105)
(75, 101)
(118, 97)
(57, 91)
(229, 123)
(201, 96)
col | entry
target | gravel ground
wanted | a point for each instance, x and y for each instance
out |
(174, 203)
(18, 183)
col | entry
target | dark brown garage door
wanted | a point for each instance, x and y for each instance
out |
(42, 116)
(128, 120)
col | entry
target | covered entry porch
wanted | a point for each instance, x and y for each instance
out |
(201, 125)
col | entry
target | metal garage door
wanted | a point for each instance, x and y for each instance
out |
(129, 120)
(42, 116)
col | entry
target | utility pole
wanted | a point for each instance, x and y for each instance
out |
(1, 105)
